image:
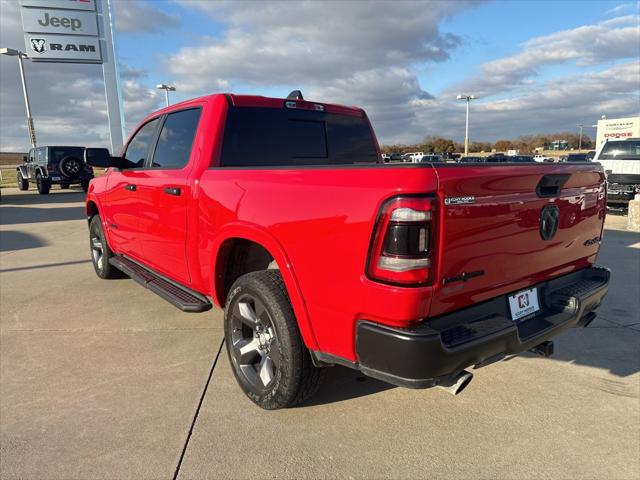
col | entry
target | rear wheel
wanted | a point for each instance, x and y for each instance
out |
(267, 355)
(22, 183)
(100, 251)
(43, 184)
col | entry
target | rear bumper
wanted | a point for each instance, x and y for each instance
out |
(435, 350)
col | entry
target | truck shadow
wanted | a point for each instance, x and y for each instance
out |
(342, 383)
(14, 240)
(33, 208)
(73, 195)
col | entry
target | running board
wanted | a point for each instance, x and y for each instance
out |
(177, 295)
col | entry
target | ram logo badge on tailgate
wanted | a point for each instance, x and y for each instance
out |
(459, 200)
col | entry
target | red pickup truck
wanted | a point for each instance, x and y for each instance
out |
(282, 212)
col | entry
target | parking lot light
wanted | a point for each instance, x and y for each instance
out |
(167, 89)
(466, 98)
(10, 52)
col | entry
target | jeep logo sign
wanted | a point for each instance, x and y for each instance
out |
(64, 47)
(68, 22)
(64, 22)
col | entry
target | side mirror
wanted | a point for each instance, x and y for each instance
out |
(100, 157)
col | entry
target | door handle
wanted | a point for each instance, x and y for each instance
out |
(130, 186)
(172, 191)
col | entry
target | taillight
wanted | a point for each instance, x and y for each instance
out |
(51, 168)
(401, 250)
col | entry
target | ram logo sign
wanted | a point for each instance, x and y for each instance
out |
(64, 47)
(38, 45)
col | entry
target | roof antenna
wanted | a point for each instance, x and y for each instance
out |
(295, 95)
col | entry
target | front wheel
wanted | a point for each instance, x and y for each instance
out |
(266, 352)
(100, 251)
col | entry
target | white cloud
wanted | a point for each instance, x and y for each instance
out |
(135, 16)
(361, 53)
(604, 42)
(622, 8)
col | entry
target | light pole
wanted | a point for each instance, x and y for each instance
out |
(17, 53)
(466, 98)
(580, 139)
(167, 89)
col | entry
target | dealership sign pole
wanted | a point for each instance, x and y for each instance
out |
(112, 90)
(77, 31)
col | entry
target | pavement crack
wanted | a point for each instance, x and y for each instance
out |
(197, 412)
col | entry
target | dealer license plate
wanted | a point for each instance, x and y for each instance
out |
(55, 179)
(523, 304)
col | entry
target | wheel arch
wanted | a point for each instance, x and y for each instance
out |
(259, 242)
(23, 171)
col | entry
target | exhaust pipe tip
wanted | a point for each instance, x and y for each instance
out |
(456, 384)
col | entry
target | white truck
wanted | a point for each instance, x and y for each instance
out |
(620, 159)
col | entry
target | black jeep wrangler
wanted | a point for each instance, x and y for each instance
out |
(46, 166)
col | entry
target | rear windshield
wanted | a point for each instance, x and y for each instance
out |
(627, 150)
(257, 136)
(57, 154)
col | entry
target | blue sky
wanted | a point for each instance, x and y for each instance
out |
(539, 67)
(489, 30)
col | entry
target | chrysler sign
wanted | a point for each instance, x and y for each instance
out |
(61, 30)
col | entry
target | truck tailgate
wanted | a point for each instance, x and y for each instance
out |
(490, 238)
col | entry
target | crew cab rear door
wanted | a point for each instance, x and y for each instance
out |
(163, 195)
(505, 227)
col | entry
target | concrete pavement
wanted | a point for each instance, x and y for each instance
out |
(103, 379)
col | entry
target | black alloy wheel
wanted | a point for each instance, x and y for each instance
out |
(267, 355)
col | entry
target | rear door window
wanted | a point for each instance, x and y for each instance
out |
(176, 139)
(257, 136)
(138, 148)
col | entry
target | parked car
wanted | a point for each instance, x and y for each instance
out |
(471, 159)
(54, 165)
(577, 157)
(621, 161)
(432, 157)
(591, 154)
(540, 158)
(416, 156)
(358, 264)
(510, 158)
(396, 157)
(386, 157)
